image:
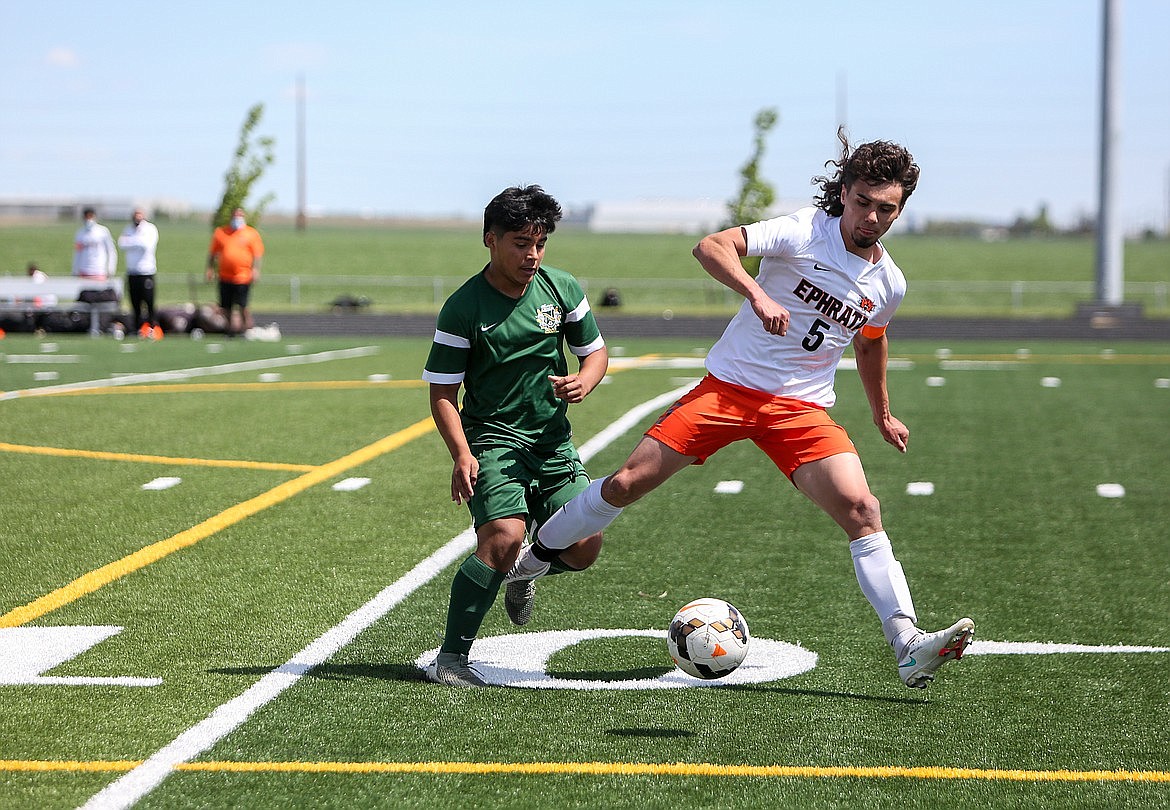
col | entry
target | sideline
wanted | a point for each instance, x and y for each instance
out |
(191, 373)
(148, 775)
(266, 387)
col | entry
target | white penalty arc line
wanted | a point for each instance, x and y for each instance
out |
(191, 373)
(144, 778)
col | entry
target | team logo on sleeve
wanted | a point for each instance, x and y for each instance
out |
(867, 305)
(549, 318)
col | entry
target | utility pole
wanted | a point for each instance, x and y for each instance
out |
(301, 219)
(1166, 219)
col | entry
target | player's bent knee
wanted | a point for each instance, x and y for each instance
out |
(867, 512)
(622, 488)
(583, 553)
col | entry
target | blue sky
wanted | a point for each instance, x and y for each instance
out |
(429, 109)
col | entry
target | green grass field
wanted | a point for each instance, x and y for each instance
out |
(248, 637)
(414, 269)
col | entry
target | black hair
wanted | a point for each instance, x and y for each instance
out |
(519, 208)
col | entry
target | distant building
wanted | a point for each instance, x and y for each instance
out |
(69, 209)
(662, 215)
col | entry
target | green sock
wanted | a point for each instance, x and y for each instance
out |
(472, 593)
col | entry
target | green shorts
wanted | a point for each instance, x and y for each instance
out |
(520, 482)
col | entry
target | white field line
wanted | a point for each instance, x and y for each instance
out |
(140, 781)
(135, 784)
(628, 420)
(191, 373)
(979, 647)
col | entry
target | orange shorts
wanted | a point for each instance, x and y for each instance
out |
(715, 413)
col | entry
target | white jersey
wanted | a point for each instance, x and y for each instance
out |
(94, 254)
(139, 242)
(829, 293)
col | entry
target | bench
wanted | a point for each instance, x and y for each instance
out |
(21, 296)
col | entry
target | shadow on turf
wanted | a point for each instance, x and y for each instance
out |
(638, 674)
(409, 672)
(338, 672)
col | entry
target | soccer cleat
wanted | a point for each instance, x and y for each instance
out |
(452, 669)
(929, 651)
(526, 567)
(519, 597)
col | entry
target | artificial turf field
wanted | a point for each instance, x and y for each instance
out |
(195, 614)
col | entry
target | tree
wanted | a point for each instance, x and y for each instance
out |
(252, 156)
(755, 195)
(1039, 225)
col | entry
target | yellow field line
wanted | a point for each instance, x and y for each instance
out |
(90, 582)
(97, 766)
(5, 447)
(179, 388)
(87, 583)
(610, 769)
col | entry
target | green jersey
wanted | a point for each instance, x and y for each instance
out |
(503, 350)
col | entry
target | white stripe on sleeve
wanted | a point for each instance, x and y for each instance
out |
(455, 341)
(442, 379)
(584, 351)
(580, 312)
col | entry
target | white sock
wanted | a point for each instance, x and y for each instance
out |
(585, 515)
(528, 566)
(902, 640)
(883, 582)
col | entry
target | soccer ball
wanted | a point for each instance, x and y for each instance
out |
(708, 638)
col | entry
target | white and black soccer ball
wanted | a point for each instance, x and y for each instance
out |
(708, 638)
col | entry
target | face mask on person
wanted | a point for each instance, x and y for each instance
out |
(237, 223)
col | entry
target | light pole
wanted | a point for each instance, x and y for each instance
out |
(1110, 245)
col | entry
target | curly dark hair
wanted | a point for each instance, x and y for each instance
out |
(876, 163)
(519, 208)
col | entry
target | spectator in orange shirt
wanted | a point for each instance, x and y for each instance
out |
(236, 250)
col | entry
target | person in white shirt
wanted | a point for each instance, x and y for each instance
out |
(825, 282)
(35, 274)
(94, 253)
(139, 241)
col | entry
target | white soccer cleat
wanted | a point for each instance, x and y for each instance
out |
(452, 669)
(929, 651)
(526, 567)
